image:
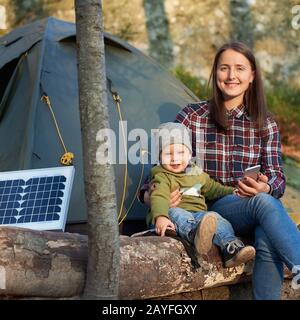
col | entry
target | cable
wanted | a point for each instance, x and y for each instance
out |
(137, 189)
(67, 158)
(118, 100)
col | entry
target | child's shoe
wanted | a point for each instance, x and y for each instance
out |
(236, 253)
(296, 277)
(204, 233)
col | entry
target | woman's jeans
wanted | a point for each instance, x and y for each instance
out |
(187, 222)
(277, 239)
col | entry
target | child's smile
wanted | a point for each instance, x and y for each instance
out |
(175, 157)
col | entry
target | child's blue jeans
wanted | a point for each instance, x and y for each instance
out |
(187, 222)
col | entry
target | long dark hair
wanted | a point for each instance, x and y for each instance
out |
(254, 97)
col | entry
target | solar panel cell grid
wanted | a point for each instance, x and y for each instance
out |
(32, 200)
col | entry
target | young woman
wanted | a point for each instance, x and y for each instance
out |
(238, 133)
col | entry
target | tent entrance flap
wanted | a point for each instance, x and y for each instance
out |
(6, 74)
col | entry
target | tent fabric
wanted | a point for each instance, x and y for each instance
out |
(41, 58)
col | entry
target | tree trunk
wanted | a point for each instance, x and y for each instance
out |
(53, 265)
(103, 262)
(27, 11)
(7, 16)
(242, 22)
(154, 267)
(41, 263)
(160, 42)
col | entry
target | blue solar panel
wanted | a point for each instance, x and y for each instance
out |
(37, 198)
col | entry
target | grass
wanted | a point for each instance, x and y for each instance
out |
(284, 102)
(197, 85)
(292, 172)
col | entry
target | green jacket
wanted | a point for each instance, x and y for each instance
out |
(195, 184)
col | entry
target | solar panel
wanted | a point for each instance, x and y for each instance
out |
(36, 199)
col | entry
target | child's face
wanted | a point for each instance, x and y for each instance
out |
(175, 157)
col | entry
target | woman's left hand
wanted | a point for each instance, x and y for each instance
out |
(248, 187)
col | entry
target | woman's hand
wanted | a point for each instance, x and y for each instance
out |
(147, 198)
(162, 224)
(175, 198)
(248, 187)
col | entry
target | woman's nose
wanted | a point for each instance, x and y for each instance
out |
(231, 74)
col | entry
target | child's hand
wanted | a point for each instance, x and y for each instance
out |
(162, 224)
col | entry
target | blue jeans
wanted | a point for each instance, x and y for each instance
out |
(187, 222)
(277, 239)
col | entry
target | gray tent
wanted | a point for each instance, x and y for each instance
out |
(41, 58)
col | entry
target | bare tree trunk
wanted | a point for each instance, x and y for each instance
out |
(242, 22)
(27, 11)
(52, 264)
(103, 249)
(160, 42)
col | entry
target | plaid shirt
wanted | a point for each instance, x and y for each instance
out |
(225, 156)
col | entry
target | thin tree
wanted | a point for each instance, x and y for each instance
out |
(102, 279)
(242, 22)
(160, 41)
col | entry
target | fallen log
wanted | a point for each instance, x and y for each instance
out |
(53, 264)
(156, 267)
(41, 263)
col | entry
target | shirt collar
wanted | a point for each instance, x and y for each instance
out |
(238, 111)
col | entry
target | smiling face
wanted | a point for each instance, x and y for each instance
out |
(234, 75)
(175, 157)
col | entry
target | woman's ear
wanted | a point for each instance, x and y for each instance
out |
(252, 76)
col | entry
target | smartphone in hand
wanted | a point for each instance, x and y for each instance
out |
(252, 172)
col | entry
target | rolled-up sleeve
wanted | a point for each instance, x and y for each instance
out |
(271, 158)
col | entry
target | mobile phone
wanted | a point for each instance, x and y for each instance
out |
(252, 172)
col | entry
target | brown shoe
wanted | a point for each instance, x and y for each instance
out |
(205, 232)
(237, 253)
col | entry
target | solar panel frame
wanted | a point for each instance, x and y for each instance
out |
(36, 189)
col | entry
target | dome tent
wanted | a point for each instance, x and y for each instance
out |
(40, 58)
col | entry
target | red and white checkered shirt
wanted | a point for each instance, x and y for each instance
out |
(227, 154)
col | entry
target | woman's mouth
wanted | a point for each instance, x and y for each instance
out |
(231, 84)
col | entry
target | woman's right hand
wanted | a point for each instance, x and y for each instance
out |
(175, 198)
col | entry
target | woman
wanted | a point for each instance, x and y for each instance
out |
(238, 133)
